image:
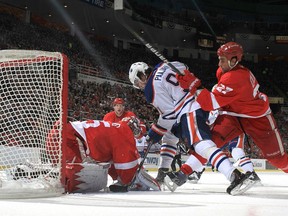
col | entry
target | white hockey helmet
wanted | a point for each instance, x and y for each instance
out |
(135, 73)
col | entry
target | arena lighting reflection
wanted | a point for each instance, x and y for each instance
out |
(72, 25)
(204, 18)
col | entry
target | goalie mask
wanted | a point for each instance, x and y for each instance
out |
(138, 74)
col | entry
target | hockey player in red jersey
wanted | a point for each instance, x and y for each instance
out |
(242, 105)
(120, 113)
(98, 142)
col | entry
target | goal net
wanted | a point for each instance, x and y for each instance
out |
(33, 94)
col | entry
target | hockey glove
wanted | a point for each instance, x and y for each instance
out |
(188, 81)
(134, 124)
(155, 133)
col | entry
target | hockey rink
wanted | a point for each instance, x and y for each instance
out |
(208, 197)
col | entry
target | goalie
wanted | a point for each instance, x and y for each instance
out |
(92, 146)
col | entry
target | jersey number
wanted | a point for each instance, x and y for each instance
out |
(171, 78)
(223, 89)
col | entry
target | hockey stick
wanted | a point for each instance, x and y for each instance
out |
(144, 157)
(141, 39)
(121, 188)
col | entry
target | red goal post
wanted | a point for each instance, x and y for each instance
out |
(33, 96)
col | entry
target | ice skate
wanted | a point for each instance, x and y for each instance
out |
(161, 175)
(175, 179)
(241, 182)
(253, 176)
(195, 176)
(253, 179)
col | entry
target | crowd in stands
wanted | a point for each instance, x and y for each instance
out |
(93, 100)
(241, 17)
(89, 100)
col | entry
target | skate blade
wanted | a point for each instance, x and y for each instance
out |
(163, 187)
(246, 185)
(170, 184)
(193, 181)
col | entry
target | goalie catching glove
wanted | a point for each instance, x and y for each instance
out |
(135, 125)
(188, 81)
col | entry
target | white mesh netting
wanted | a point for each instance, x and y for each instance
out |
(32, 99)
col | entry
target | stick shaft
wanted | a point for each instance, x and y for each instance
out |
(144, 156)
(148, 45)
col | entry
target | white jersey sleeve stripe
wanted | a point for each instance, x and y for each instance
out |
(125, 166)
(215, 104)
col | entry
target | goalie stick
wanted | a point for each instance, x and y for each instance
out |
(121, 188)
(144, 157)
(119, 19)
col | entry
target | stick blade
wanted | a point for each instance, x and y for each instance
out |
(118, 188)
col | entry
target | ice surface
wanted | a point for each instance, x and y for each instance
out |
(208, 197)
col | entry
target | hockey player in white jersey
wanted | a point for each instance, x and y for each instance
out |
(180, 114)
(236, 149)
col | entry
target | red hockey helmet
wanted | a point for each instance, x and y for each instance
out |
(230, 50)
(118, 101)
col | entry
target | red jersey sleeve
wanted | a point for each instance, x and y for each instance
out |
(236, 92)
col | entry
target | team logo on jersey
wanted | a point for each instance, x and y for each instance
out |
(223, 89)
